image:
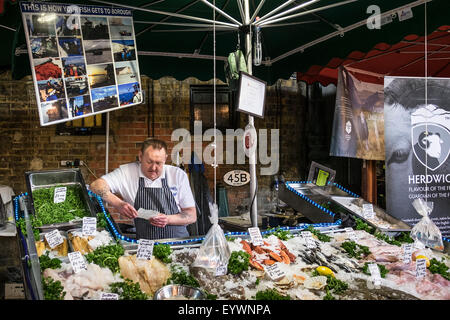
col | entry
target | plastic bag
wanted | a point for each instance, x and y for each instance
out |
(214, 252)
(426, 232)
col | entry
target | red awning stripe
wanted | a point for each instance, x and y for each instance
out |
(405, 58)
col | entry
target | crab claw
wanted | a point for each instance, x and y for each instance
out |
(275, 256)
(246, 247)
(258, 250)
(285, 257)
(255, 264)
(269, 262)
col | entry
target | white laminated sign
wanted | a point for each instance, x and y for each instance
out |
(255, 235)
(54, 238)
(60, 194)
(89, 226)
(145, 249)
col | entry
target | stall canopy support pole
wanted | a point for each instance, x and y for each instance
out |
(107, 144)
(252, 159)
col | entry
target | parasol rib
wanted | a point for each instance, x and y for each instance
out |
(222, 13)
(182, 16)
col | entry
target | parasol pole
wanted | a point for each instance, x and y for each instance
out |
(252, 155)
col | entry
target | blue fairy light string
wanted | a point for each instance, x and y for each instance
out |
(237, 233)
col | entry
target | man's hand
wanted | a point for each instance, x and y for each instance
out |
(160, 220)
(127, 210)
(185, 217)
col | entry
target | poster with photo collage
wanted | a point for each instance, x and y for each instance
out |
(83, 59)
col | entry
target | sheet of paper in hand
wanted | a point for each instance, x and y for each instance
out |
(147, 214)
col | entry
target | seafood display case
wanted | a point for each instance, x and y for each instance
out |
(327, 203)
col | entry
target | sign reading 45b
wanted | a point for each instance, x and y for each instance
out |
(236, 178)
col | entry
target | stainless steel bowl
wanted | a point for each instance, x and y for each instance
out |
(178, 292)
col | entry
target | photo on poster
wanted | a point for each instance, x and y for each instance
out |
(101, 75)
(94, 28)
(44, 47)
(130, 93)
(47, 68)
(76, 86)
(50, 90)
(123, 50)
(74, 66)
(126, 72)
(70, 47)
(41, 25)
(104, 98)
(79, 106)
(417, 139)
(97, 51)
(121, 28)
(54, 111)
(68, 26)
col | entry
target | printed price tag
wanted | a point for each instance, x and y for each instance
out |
(54, 238)
(255, 236)
(77, 261)
(421, 268)
(145, 249)
(310, 242)
(89, 226)
(351, 234)
(407, 249)
(374, 273)
(368, 211)
(274, 272)
(59, 195)
(222, 270)
(109, 296)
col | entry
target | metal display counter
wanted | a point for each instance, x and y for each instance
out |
(332, 202)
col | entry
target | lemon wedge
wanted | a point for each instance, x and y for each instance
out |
(325, 271)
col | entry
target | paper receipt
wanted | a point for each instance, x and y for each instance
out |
(147, 214)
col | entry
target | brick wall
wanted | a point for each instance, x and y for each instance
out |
(25, 145)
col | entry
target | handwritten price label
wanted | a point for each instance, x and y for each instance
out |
(368, 211)
(89, 226)
(77, 261)
(255, 236)
(374, 273)
(145, 249)
(351, 234)
(109, 296)
(221, 270)
(407, 250)
(274, 272)
(60, 195)
(54, 238)
(310, 243)
(421, 268)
